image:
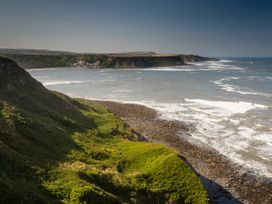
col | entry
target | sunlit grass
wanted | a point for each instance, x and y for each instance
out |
(86, 155)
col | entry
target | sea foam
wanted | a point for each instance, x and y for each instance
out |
(51, 83)
(230, 106)
(236, 89)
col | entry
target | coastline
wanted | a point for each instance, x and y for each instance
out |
(29, 58)
(226, 182)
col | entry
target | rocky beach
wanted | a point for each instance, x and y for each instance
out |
(226, 182)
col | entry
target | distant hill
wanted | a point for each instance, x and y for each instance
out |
(28, 58)
(54, 149)
(32, 52)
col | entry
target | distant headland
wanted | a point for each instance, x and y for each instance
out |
(36, 58)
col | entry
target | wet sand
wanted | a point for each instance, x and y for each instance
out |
(225, 181)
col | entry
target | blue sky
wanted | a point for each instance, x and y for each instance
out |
(206, 27)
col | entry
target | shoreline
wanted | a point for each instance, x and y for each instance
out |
(31, 58)
(225, 181)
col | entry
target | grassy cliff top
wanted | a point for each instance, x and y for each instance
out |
(32, 51)
(29, 58)
(7, 51)
(54, 149)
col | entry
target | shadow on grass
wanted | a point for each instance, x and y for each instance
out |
(35, 136)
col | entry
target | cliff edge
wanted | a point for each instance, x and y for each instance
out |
(45, 58)
(54, 149)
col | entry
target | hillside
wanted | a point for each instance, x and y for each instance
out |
(54, 149)
(32, 51)
(46, 58)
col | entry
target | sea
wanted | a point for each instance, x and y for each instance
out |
(229, 102)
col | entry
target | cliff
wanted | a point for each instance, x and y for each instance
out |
(54, 149)
(119, 61)
(43, 59)
(196, 58)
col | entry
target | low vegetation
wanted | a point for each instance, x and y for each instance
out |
(54, 149)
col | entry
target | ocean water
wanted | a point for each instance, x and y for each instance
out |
(228, 101)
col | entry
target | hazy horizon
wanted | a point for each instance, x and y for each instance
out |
(234, 28)
(44, 49)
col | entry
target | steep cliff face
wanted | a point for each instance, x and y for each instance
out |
(145, 61)
(43, 59)
(196, 58)
(95, 61)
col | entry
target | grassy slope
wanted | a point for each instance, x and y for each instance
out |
(55, 149)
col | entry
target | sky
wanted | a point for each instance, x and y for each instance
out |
(205, 27)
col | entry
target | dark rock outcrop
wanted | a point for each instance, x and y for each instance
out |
(145, 61)
(196, 58)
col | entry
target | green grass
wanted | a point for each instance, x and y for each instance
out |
(75, 151)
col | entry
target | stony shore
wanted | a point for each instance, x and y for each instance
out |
(225, 181)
